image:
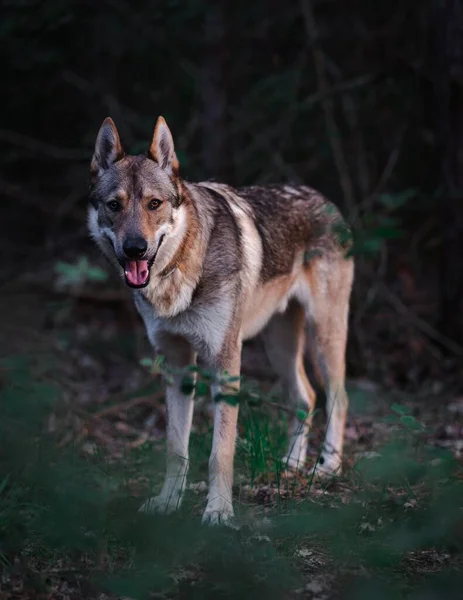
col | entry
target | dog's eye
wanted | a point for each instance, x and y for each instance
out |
(114, 205)
(154, 204)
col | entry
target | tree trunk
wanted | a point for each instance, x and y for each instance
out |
(448, 78)
(213, 91)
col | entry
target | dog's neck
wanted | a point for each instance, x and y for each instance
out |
(180, 263)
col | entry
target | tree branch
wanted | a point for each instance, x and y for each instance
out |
(328, 106)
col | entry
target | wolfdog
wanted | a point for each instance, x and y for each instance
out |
(211, 266)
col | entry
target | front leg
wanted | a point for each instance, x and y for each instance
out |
(219, 507)
(178, 354)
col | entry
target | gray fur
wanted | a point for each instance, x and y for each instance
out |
(227, 264)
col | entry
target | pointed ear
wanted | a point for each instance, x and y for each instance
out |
(108, 148)
(162, 148)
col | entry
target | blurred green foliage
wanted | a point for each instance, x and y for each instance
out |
(76, 275)
(70, 63)
(57, 503)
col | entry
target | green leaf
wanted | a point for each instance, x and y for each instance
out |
(410, 422)
(399, 409)
(388, 233)
(73, 275)
(394, 201)
(301, 414)
(146, 362)
(343, 233)
(330, 209)
(159, 361)
(202, 389)
(97, 274)
(231, 399)
(367, 246)
(188, 385)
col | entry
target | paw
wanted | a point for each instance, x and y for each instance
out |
(292, 463)
(162, 504)
(219, 511)
(327, 466)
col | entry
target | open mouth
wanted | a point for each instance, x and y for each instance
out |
(137, 272)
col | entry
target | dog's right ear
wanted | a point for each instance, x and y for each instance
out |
(108, 148)
(161, 149)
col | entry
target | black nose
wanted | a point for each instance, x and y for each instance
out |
(135, 247)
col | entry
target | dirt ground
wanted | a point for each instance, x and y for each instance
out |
(93, 345)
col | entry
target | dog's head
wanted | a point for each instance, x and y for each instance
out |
(136, 201)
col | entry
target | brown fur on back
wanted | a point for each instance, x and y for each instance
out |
(221, 265)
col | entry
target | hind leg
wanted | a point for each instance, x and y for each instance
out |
(328, 307)
(284, 345)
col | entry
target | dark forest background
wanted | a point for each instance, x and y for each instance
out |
(360, 99)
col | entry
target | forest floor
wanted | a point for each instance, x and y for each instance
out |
(390, 526)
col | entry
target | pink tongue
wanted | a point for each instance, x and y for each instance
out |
(136, 271)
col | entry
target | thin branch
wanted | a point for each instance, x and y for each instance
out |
(125, 405)
(362, 163)
(39, 147)
(340, 88)
(420, 324)
(384, 177)
(214, 98)
(328, 106)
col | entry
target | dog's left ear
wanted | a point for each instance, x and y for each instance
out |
(162, 148)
